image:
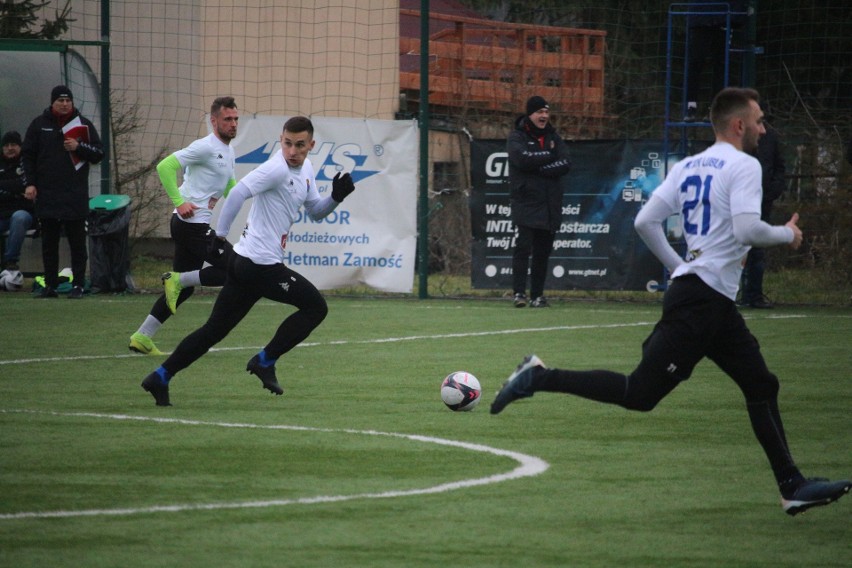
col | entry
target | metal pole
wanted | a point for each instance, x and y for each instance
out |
(106, 166)
(423, 206)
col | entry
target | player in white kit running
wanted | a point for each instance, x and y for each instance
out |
(208, 175)
(718, 194)
(279, 188)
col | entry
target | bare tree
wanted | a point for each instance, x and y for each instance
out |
(134, 176)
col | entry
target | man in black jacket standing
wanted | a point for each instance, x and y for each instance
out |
(538, 158)
(58, 148)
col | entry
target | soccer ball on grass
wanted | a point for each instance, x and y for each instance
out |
(11, 280)
(461, 391)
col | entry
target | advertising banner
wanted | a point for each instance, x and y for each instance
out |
(596, 247)
(371, 237)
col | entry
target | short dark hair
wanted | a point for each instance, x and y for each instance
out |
(222, 102)
(729, 102)
(299, 124)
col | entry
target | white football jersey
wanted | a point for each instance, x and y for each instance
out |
(208, 166)
(278, 192)
(708, 190)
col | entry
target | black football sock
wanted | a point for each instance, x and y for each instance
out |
(602, 386)
(767, 426)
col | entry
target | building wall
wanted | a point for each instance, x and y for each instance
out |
(169, 60)
(329, 58)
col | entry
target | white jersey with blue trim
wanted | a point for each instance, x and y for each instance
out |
(278, 192)
(709, 190)
(208, 166)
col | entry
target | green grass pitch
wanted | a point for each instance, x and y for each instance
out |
(360, 464)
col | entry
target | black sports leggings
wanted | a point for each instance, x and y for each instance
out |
(247, 283)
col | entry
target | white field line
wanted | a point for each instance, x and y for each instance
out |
(372, 341)
(528, 466)
(349, 342)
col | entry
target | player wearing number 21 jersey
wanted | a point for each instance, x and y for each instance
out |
(717, 194)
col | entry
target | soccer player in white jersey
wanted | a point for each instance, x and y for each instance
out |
(718, 194)
(278, 189)
(208, 175)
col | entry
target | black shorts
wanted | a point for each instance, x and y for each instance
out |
(190, 240)
(700, 322)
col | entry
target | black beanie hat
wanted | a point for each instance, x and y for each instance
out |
(12, 137)
(536, 103)
(60, 91)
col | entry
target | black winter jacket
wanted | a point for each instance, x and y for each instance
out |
(537, 161)
(62, 190)
(774, 169)
(12, 187)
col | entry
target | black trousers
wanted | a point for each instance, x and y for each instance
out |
(697, 322)
(535, 243)
(752, 279)
(246, 283)
(75, 231)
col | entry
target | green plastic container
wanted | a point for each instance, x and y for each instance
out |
(109, 202)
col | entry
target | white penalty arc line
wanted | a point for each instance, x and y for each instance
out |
(528, 466)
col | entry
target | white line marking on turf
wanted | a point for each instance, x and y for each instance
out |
(528, 466)
(352, 342)
(386, 339)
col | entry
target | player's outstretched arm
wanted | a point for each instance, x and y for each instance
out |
(749, 229)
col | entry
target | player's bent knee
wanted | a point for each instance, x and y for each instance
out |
(766, 388)
(644, 393)
(316, 311)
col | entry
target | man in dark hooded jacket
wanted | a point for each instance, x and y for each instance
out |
(538, 158)
(58, 148)
(16, 212)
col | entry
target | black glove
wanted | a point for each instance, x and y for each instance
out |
(341, 186)
(217, 247)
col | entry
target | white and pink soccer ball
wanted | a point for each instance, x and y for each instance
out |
(461, 391)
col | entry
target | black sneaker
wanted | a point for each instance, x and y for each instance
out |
(519, 300)
(814, 493)
(265, 374)
(47, 292)
(540, 302)
(691, 114)
(759, 303)
(519, 384)
(154, 384)
(76, 293)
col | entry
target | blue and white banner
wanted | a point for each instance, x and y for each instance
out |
(596, 247)
(371, 238)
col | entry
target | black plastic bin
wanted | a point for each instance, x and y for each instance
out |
(109, 247)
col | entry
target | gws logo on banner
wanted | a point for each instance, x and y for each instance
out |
(497, 164)
(327, 158)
